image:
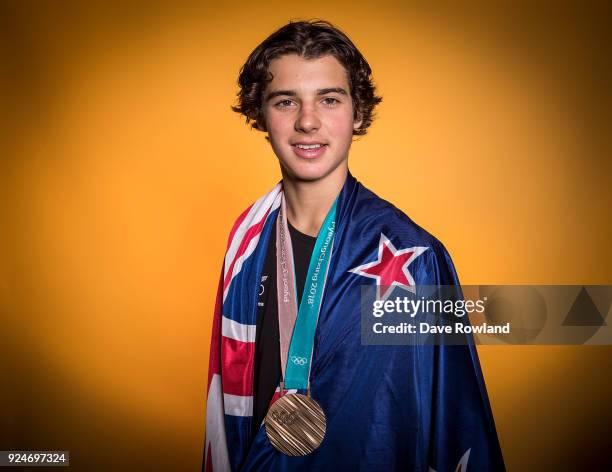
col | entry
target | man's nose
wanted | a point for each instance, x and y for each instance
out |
(307, 120)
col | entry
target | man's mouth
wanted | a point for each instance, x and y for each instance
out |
(309, 150)
(309, 146)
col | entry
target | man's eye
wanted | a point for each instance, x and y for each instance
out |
(330, 101)
(284, 104)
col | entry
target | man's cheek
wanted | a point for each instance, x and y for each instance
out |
(276, 127)
(342, 129)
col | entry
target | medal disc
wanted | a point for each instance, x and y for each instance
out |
(295, 424)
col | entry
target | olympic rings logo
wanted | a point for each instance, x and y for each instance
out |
(299, 360)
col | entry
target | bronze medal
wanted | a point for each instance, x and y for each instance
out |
(295, 424)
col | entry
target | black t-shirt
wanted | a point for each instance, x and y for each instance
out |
(267, 349)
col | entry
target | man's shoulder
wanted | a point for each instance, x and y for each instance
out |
(250, 222)
(378, 223)
(377, 214)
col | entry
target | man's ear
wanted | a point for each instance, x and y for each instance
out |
(358, 120)
(261, 121)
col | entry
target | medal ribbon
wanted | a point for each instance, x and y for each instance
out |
(297, 326)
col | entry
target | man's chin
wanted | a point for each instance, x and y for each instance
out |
(307, 177)
(311, 171)
(311, 174)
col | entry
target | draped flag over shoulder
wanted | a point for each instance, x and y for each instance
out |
(413, 407)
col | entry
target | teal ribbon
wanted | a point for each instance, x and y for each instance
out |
(300, 350)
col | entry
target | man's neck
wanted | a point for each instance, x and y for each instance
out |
(309, 202)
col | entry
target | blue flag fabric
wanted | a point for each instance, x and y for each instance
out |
(388, 408)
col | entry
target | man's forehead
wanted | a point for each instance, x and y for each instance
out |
(295, 72)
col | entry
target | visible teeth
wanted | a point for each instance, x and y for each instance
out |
(309, 146)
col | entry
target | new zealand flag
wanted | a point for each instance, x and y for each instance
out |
(388, 408)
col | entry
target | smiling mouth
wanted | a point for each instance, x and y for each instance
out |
(309, 150)
(309, 146)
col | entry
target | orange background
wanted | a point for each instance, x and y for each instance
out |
(122, 169)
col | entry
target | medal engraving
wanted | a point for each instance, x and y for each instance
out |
(295, 424)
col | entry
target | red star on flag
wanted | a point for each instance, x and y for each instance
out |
(391, 268)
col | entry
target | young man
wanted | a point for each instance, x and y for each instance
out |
(291, 386)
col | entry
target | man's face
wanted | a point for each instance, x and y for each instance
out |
(308, 113)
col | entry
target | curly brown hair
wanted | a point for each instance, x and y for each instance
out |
(310, 40)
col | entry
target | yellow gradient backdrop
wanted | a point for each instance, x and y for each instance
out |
(122, 168)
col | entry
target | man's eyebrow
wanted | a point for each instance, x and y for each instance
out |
(325, 91)
(278, 93)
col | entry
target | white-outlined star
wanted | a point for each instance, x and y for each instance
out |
(391, 267)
